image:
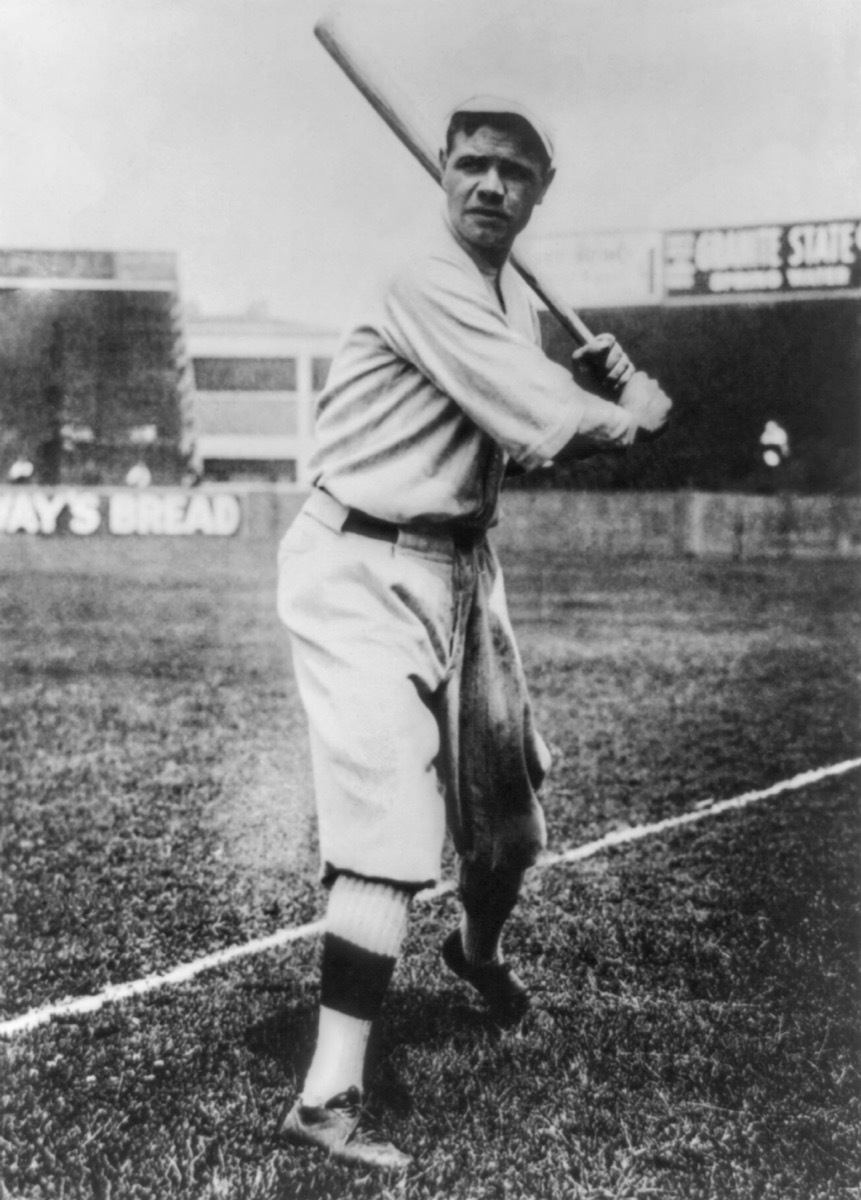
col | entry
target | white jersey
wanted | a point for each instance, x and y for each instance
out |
(441, 380)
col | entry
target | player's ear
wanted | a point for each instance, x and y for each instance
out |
(443, 159)
(548, 179)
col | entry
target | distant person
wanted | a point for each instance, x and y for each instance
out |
(774, 441)
(21, 471)
(191, 478)
(404, 653)
(139, 476)
(91, 475)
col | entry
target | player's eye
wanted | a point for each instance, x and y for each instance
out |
(518, 173)
(471, 165)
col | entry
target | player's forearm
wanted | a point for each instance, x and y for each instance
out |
(642, 413)
(603, 426)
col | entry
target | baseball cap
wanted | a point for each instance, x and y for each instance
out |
(500, 104)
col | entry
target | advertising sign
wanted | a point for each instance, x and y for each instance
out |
(83, 266)
(809, 256)
(601, 269)
(121, 513)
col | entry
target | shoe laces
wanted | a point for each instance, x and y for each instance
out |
(349, 1101)
(366, 1129)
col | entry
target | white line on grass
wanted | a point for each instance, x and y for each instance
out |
(79, 1005)
(708, 808)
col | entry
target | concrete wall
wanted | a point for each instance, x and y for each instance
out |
(701, 524)
(668, 524)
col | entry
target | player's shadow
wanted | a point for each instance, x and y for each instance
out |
(286, 1035)
(414, 1016)
(411, 1017)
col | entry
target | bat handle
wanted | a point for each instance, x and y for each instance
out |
(562, 311)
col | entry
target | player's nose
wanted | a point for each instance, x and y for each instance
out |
(490, 183)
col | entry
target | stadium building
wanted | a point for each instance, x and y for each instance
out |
(255, 381)
(105, 380)
(93, 378)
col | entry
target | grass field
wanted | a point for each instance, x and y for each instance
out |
(697, 1036)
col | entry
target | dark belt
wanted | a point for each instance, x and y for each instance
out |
(387, 531)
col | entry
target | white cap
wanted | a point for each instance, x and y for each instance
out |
(500, 104)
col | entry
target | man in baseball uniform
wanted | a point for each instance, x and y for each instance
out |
(419, 715)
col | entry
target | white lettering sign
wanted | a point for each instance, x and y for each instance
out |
(764, 258)
(815, 277)
(28, 511)
(600, 269)
(174, 514)
(830, 243)
(171, 514)
(738, 249)
(745, 281)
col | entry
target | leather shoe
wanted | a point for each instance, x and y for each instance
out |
(502, 991)
(334, 1126)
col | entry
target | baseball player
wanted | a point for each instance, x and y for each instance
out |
(419, 715)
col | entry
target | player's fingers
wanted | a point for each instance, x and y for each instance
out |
(605, 360)
(618, 383)
(620, 364)
(594, 349)
(619, 367)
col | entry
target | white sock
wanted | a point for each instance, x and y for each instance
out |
(365, 926)
(339, 1060)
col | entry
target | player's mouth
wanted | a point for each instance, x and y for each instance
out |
(488, 214)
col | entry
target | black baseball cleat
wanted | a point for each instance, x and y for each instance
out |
(504, 994)
(335, 1127)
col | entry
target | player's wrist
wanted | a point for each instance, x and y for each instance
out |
(643, 435)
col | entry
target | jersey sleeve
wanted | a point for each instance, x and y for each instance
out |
(441, 318)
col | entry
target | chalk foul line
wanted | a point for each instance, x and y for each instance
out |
(80, 1005)
(619, 837)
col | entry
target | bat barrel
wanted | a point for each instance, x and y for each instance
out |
(381, 100)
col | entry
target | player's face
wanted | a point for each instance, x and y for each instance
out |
(492, 183)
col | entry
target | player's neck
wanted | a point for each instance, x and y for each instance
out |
(493, 274)
(489, 260)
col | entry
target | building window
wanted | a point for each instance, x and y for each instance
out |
(319, 373)
(250, 470)
(245, 374)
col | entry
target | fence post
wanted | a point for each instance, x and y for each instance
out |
(694, 539)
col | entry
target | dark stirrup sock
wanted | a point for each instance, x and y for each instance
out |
(488, 897)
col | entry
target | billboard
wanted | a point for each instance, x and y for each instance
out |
(121, 512)
(87, 268)
(601, 269)
(779, 259)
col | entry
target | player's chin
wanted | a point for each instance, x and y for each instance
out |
(488, 231)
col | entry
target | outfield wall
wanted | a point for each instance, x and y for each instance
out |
(700, 524)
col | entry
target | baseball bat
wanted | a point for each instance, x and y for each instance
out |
(368, 78)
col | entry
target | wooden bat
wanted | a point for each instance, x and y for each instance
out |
(394, 110)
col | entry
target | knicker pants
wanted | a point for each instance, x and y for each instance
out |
(417, 705)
